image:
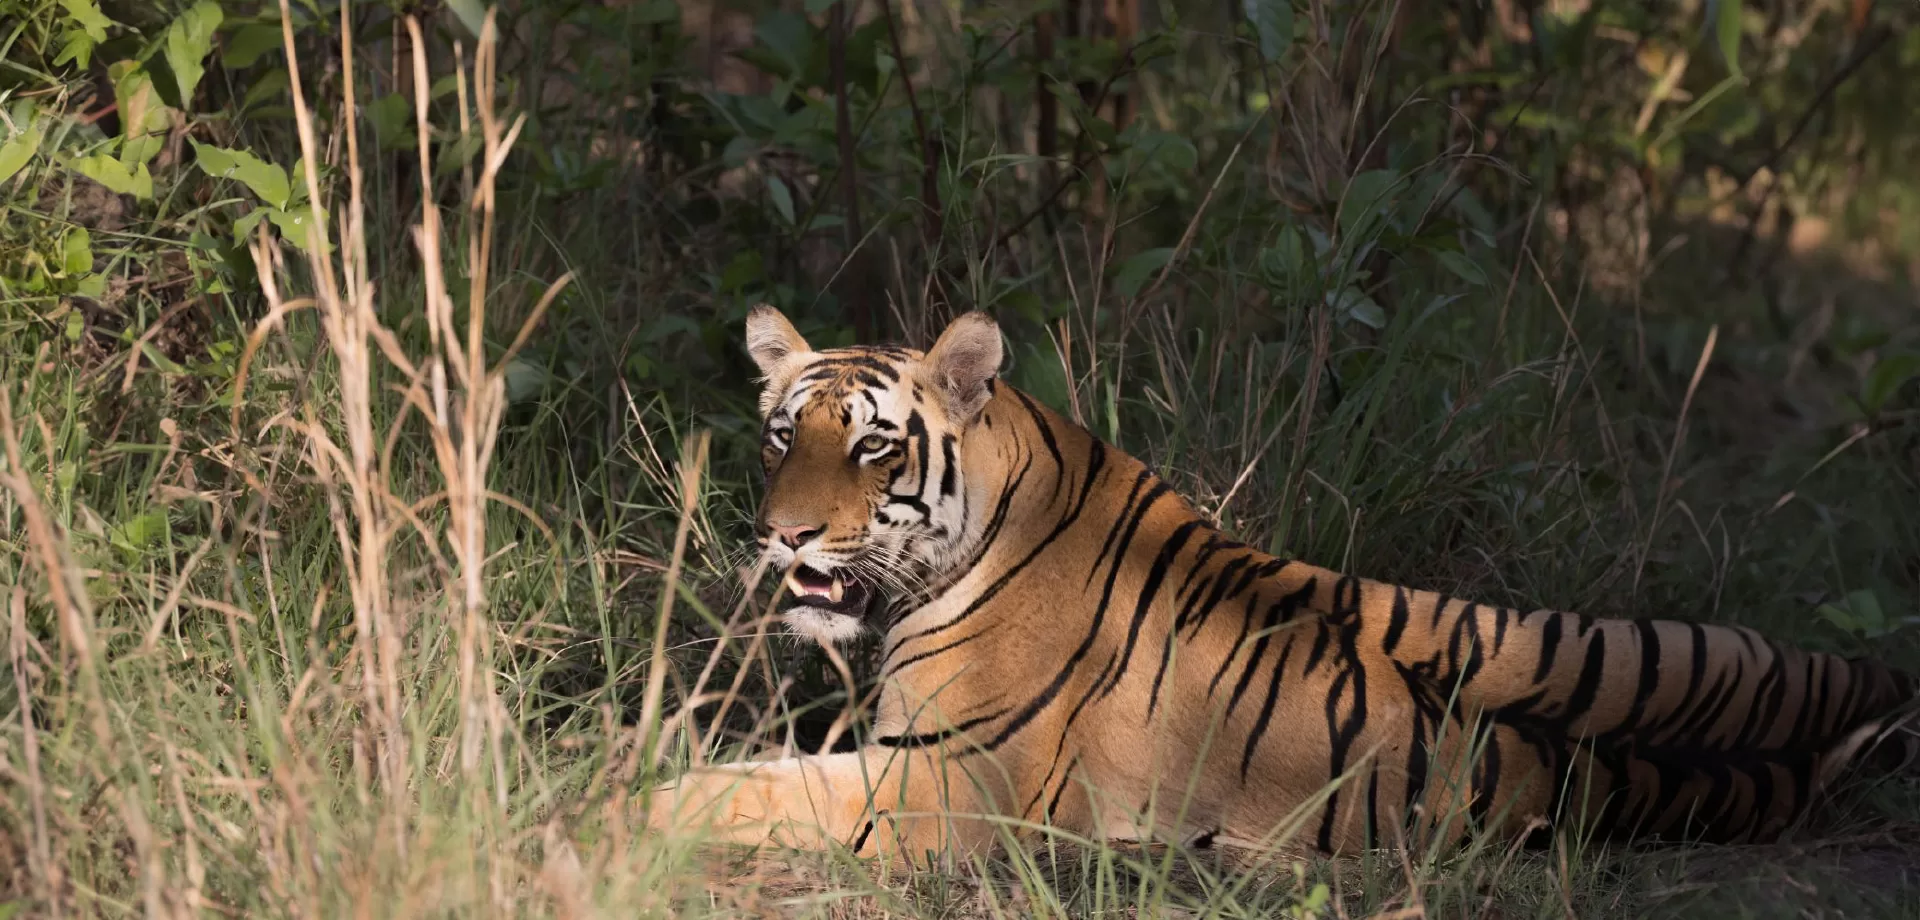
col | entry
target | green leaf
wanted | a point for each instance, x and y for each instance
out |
(1287, 258)
(1176, 152)
(267, 181)
(470, 13)
(189, 39)
(144, 119)
(1133, 273)
(453, 155)
(1886, 378)
(1098, 128)
(1367, 194)
(147, 528)
(78, 50)
(789, 37)
(76, 252)
(1860, 613)
(1726, 27)
(93, 285)
(243, 228)
(249, 43)
(271, 85)
(392, 119)
(1353, 303)
(525, 380)
(115, 175)
(295, 225)
(76, 325)
(1273, 23)
(20, 148)
(782, 198)
(85, 15)
(1466, 269)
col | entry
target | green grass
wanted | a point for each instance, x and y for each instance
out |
(223, 696)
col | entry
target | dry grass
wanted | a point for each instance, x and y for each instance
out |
(366, 687)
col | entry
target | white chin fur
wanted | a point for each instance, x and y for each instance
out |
(822, 626)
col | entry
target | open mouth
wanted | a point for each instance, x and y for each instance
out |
(837, 592)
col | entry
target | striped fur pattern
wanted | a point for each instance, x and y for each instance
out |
(1068, 642)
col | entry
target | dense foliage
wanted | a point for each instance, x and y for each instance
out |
(1590, 304)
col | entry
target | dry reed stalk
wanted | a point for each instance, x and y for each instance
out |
(693, 460)
(460, 397)
(346, 319)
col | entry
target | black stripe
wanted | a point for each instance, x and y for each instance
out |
(1588, 685)
(1549, 647)
(1213, 545)
(1052, 690)
(1156, 574)
(1486, 778)
(1760, 704)
(1046, 435)
(1341, 733)
(1346, 601)
(1052, 767)
(1233, 651)
(1267, 629)
(1419, 743)
(1222, 590)
(1696, 672)
(1095, 461)
(895, 668)
(1289, 605)
(926, 739)
(1805, 696)
(917, 436)
(1373, 807)
(1397, 622)
(833, 365)
(950, 471)
(1468, 622)
(1321, 640)
(1649, 673)
(1066, 776)
(1120, 522)
(1706, 721)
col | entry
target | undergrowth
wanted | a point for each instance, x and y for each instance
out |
(379, 447)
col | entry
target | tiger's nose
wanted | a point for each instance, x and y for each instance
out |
(794, 535)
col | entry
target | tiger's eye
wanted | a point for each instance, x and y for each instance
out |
(873, 442)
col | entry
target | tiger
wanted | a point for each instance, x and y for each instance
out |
(1068, 646)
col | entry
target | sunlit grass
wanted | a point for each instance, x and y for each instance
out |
(359, 644)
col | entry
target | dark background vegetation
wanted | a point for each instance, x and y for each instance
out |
(1604, 305)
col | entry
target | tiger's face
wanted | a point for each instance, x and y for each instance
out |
(863, 452)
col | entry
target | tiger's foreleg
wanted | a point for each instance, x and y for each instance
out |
(901, 804)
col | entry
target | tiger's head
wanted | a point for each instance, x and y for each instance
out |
(863, 451)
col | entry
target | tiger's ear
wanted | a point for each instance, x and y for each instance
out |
(771, 339)
(962, 362)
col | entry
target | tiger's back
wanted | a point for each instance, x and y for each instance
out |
(1071, 643)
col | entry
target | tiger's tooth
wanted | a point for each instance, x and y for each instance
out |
(839, 590)
(794, 587)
